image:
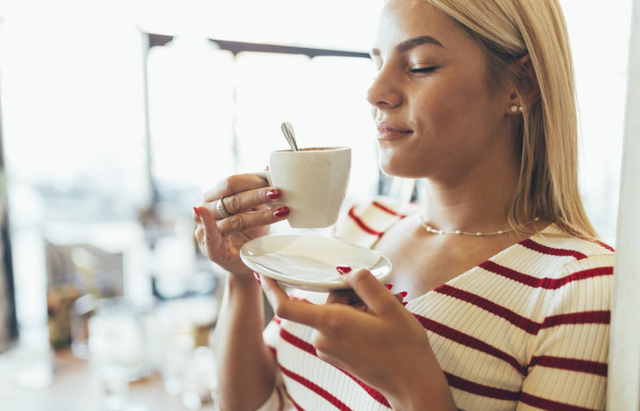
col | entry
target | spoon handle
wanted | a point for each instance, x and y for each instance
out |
(287, 130)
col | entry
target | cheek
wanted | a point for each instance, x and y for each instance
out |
(454, 102)
(452, 121)
(454, 113)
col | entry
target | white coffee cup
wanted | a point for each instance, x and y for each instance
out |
(313, 182)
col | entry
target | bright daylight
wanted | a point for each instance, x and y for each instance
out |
(341, 205)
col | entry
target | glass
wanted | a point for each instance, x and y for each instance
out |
(180, 330)
(174, 367)
(117, 339)
(200, 379)
(115, 387)
(81, 311)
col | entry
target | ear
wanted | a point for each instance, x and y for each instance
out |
(528, 82)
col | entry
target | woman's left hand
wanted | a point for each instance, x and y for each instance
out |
(383, 345)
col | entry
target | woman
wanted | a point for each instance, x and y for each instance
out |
(477, 99)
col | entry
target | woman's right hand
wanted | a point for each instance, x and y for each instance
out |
(249, 199)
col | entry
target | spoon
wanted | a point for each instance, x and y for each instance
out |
(287, 130)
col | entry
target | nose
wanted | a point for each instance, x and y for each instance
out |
(384, 92)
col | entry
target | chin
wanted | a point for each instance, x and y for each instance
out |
(403, 169)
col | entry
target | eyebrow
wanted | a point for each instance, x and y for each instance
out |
(409, 44)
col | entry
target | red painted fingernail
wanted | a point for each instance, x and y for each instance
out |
(274, 194)
(389, 286)
(257, 277)
(405, 303)
(344, 269)
(266, 168)
(403, 294)
(282, 212)
(195, 210)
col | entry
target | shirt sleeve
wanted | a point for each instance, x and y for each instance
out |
(568, 358)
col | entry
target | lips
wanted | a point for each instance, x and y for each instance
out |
(392, 131)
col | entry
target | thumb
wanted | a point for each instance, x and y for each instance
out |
(371, 291)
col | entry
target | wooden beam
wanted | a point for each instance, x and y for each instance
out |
(239, 46)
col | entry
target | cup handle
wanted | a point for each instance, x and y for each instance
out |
(265, 175)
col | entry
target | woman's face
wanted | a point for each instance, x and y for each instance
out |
(435, 113)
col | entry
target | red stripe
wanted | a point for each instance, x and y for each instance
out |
(479, 389)
(388, 210)
(468, 341)
(579, 235)
(297, 342)
(295, 404)
(532, 327)
(361, 224)
(305, 346)
(560, 252)
(607, 246)
(549, 405)
(571, 364)
(519, 321)
(585, 317)
(315, 388)
(547, 283)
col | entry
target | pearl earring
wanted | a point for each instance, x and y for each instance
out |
(515, 109)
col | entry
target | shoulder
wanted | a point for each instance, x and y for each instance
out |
(572, 315)
(574, 254)
(575, 277)
(553, 236)
(552, 254)
(363, 223)
(558, 270)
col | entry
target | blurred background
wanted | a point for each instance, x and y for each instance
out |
(116, 115)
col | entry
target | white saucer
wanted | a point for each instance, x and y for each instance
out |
(291, 272)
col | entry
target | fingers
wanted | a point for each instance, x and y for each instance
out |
(350, 298)
(207, 233)
(235, 184)
(298, 311)
(196, 215)
(199, 233)
(243, 201)
(372, 292)
(249, 221)
(331, 320)
(346, 297)
(295, 310)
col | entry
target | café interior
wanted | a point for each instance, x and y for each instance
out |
(116, 116)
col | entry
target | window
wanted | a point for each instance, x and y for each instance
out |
(74, 125)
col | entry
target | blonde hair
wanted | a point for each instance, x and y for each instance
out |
(548, 134)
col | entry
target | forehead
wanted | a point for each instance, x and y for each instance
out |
(405, 19)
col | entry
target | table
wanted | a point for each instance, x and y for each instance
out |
(76, 387)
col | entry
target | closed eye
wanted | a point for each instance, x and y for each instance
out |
(422, 70)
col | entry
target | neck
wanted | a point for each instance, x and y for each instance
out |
(478, 200)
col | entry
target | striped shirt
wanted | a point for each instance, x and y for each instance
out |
(527, 329)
